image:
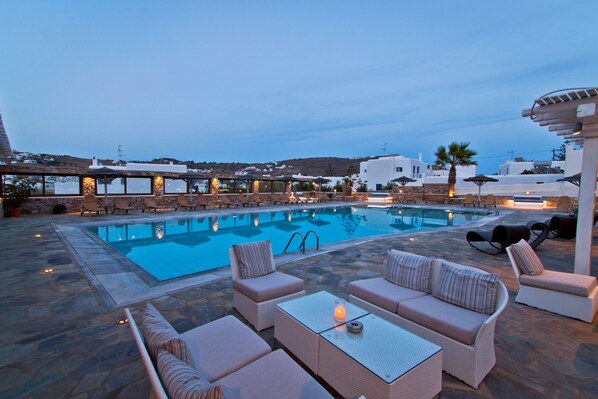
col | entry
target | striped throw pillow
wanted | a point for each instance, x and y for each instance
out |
(254, 258)
(182, 381)
(177, 347)
(409, 270)
(526, 258)
(467, 288)
(156, 330)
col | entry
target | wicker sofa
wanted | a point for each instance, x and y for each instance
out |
(467, 337)
(228, 357)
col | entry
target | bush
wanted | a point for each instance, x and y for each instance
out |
(59, 209)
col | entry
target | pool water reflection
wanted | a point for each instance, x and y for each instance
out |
(173, 248)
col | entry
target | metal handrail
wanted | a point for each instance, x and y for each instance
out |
(317, 240)
(302, 245)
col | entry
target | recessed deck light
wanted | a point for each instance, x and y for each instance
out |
(38, 235)
(120, 322)
(48, 270)
(411, 239)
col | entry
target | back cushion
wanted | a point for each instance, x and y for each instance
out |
(182, 381)
(526, 259)
(159, 334)
(254, 259)
(409, 270)
(467, 288)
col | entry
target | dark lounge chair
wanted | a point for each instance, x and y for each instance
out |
(496, 241)
(559, 226)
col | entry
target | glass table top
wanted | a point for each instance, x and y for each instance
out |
(385, 349)
(316, 311)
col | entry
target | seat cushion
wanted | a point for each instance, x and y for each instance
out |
(526, 259)
(157, 331)
(223, 346)
(447, 319)
(569, 283)
(275, 375)
(409, 270)
(254, 258)
(269, 286)
(183, 381)
(381, 292)
(471, 289)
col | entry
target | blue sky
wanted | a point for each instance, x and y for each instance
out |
(263, 81)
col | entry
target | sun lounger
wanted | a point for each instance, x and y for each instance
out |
(203, 200)
(498, 239)
(469, 199)
(489, 200)
(91, 204)
(121, 205)
(225, 200)
(150, 204)
(567, 294)
(184, 203)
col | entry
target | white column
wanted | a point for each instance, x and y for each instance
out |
(585, 212)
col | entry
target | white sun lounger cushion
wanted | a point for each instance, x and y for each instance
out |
(569, 283)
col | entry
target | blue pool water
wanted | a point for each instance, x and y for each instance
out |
(175, 248)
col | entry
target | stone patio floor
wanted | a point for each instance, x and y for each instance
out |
(59, 339)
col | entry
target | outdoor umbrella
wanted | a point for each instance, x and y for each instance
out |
(106, 176)
(403, 180)
(573, 179)
(480, 180)
(192, 178)
(319, 180)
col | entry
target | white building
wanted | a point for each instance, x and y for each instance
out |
(378, 172)
(570, 166)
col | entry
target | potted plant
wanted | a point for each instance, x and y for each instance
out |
(15, 194)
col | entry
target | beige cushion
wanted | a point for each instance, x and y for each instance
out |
(181, 381)
(450, 320)
(156, 330)
(526, 259)
(275, 375)
(223, 346)
(254, 258)
(381, 292)
(269, 286)
(409, 270)
(569, 283)
(471, 289)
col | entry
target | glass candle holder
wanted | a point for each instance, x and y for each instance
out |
(340, 309)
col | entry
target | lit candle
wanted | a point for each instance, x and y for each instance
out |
(340, 311)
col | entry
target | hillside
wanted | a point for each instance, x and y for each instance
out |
(320, 166)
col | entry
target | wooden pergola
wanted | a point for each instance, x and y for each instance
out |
(573, 114)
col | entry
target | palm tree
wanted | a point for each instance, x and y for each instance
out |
(456, 154)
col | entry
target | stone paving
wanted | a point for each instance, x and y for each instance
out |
(59, 339)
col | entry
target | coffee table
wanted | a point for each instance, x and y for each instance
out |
(299, 322)
(383, 361)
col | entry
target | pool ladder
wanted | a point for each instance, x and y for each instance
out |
(303, 239)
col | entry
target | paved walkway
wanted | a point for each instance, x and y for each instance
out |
(59, 339)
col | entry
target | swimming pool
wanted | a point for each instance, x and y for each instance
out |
(174, 248)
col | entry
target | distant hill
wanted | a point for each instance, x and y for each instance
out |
(319, 166)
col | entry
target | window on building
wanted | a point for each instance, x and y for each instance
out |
(279, 186)
(399, 169)
(125, 185)
(417, 170)
(138, 185)
(38, 180)
(62, 185)
(365, 171)
(174, 186)
(226, 186)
